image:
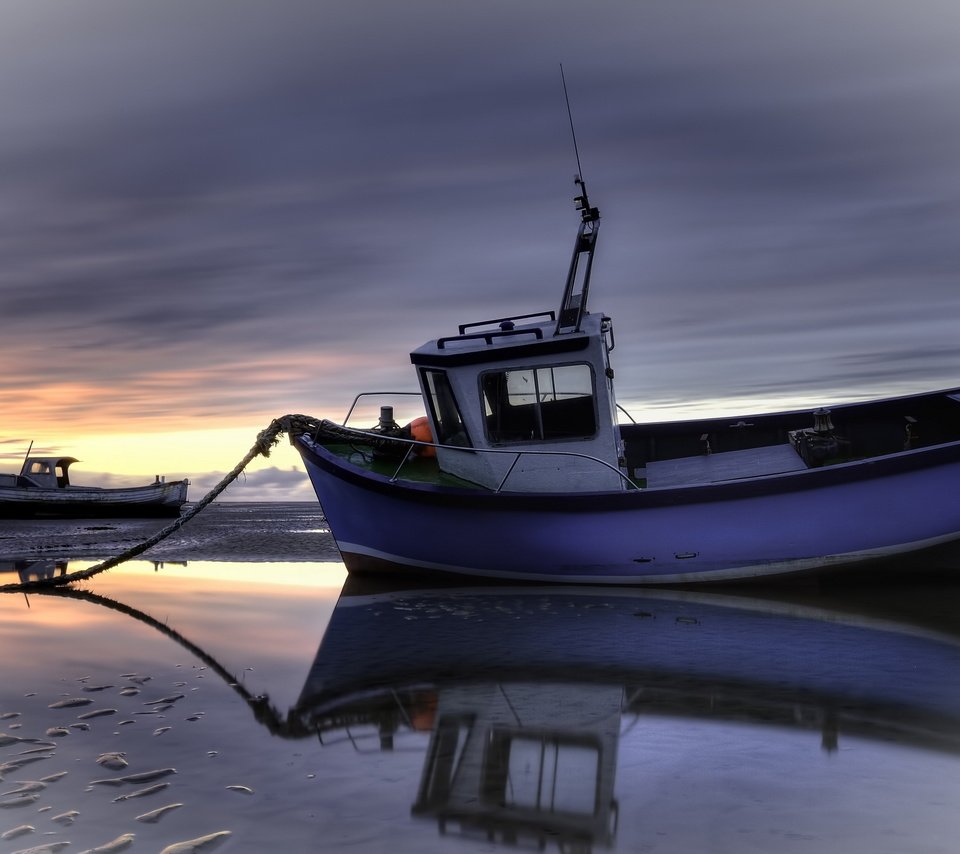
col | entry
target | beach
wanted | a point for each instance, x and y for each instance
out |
(233, 686)
(223, 531)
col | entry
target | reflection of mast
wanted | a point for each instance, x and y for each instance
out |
(523, 763)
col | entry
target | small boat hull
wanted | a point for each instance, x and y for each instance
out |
(808, 521)
(78, 502)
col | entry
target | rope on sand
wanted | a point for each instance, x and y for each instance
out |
(266, 439)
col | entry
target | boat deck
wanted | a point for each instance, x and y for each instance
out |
(415, 469)
(728, 465)
(683, 471)
(682, 454)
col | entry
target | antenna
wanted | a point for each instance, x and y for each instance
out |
(573, 133)
(587, 213)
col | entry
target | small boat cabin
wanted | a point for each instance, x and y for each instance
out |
(42, 473)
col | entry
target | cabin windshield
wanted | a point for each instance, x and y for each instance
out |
(537, 404)
(544, 772)
(443, 407)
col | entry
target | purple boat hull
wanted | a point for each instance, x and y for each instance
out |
(806, 521)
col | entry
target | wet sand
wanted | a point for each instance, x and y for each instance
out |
(222, 531)
(108, 721)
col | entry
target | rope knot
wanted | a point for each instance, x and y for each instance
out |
(266, 439)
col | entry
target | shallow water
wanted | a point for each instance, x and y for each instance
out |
(462, 719)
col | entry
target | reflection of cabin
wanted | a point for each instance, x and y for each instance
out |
(34, 569)
(523, 763)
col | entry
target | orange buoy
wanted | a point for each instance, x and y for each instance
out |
(420, 430)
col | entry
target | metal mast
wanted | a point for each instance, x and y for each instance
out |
(574, 303)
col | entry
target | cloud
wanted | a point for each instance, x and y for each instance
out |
(230, 212)
(267, 484)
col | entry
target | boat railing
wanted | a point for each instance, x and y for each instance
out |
(517, 454)
(490, 334)
(546, 315)
(356, 400)
(413, 444)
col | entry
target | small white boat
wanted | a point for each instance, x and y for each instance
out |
(528, 475)
(43, 490)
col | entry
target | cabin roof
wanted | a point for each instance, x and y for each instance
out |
(503, 339)
(53, 462)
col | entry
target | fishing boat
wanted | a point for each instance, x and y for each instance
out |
(42, 489)
(520, 469)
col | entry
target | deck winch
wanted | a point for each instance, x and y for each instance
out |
(819, 443)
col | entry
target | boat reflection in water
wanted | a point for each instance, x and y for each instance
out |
(33, 569)
(567, 718)
(29, 569)
(527, 690)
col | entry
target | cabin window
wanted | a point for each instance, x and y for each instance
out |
(446, 753)
(444, 410)
(39, 467)
(537, 404)
(547, 773)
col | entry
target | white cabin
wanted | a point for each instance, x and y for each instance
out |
(42, 472)
(517, 385)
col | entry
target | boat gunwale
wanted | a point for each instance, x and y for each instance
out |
(834, 408)
(901, 462)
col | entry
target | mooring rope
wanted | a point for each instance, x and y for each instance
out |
(266, 439)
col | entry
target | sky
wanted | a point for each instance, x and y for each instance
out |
(216, 212)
